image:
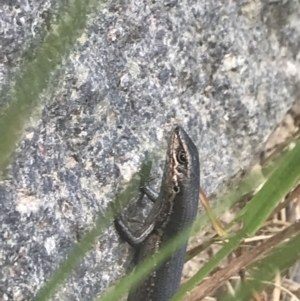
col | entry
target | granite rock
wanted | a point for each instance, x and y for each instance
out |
(226, 71)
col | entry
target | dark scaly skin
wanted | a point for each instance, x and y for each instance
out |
(175, 209)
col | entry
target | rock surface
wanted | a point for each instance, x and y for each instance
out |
(227, 72)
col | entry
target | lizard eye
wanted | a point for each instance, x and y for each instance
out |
(176, 189)
(181, 157)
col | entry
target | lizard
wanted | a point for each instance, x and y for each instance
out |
(175, 208)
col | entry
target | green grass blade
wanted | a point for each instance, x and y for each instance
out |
(280, 182)
(209, 266)
(122, 286)
(143, 269)
(287, 174)
(87, 242)
(34, 75)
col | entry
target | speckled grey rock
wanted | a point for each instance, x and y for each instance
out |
(226, 71)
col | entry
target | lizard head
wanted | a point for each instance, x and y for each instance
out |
(183, 161)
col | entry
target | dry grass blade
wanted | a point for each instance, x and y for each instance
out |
(198, 249)
(220, 277)
(216, 223)
(293, 195)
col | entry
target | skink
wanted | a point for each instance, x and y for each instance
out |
(175, 208)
